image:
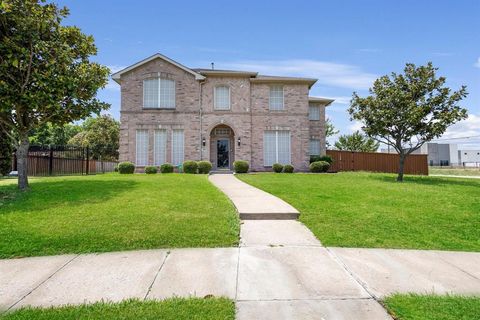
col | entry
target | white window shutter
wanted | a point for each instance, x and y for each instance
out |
(314, 112)
(222, 98)
(314, 147)
(269, 148)
(142, 148)
(276, 98)
(283, 147)
(167, 94)
(160, 147)
(150, 93)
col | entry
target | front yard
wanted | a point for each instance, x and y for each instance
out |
(114, 212)
(372, 210)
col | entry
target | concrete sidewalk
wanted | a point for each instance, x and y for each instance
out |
(253, 203)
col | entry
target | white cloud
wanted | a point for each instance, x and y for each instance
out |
(341, 100)
(477, 64)
(115, 68)
(327, 73)
(464, 133)
(112, 85)
(355, 126)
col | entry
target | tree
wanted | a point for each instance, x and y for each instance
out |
(49, 134)
(330, 130)
(406, 110)
(5, 154)
(101, 135)
(356, 142)
(45, 73)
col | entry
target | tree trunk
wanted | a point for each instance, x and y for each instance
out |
(401, 167)
(22, 155)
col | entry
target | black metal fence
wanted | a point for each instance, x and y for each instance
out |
(63, 160)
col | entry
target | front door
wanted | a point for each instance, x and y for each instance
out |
(223, 158)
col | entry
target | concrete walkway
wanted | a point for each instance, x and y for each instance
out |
(253, 203)
(280, 271)
(452, 176)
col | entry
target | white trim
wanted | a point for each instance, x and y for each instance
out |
(116, 76)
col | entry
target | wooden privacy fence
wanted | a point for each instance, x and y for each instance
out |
(63, 160)
(377, 162)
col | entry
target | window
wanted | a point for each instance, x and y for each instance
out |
(142, 148)
(313, 112)
(314, 147)
(222, 98)
(159, 93)
(276, 147)
(177, 147)
(160, 147)
(222, 131)
(276, 98)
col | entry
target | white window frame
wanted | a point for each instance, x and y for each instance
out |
(137, 147)
(317, 142)
(215, 106)
(277, 150)
(271, 105)
(314, 116)
(161, 102)
(178, 156)
(159, 147)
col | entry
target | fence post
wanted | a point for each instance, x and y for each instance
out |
(87, 170)
(50, 161)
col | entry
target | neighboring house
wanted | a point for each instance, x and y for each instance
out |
(171, 113)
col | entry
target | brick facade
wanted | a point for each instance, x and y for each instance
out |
(248, 117)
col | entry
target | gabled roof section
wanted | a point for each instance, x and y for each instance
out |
(116, 75)
(325, 101)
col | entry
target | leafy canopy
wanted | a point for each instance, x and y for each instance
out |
(45, 71)
(406, 110)
(356, 142)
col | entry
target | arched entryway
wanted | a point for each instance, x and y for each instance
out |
(222, 147)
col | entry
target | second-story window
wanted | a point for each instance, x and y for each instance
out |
(276, 98)
(159, 93)
(222, 98)
(313, 112)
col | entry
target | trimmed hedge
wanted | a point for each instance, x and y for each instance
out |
(277, 167)
(126, 167)
(240, 166)
(166, 168)
(151, 170)
(325, 158)
(288, 168)
(204, 167)
(190, 166)
(319, 166)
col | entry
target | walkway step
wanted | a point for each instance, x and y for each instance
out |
(253, 203)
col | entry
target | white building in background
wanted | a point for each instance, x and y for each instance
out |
(444, 154)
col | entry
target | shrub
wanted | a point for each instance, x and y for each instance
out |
(326, 158)
(315, 159)
(204, 167)
(115, 169)
(166, 168)
(288, 168)
(151, 170)
(319, 166)
(240, 166)
(277, 167)
(126, 167)
(190, 166)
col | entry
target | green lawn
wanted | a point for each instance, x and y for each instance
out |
(429, 307)
(171, 309)
(372, 210)
(455, 171)
(114, 212)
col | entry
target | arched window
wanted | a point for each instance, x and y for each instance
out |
(159, 93)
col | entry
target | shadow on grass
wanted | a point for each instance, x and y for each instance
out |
(431, 181)
(69, 192)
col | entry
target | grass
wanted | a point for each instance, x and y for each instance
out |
(372, 210)
(114, 212)
(430, 307)
(171, 309)
(472, 172)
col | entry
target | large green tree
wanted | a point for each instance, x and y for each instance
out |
(330, 130)
(101, 135)
(45, 73)
(50, 134)
(406, 110)
(356, 142)
(5, 154)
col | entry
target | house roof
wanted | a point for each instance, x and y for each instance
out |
(220, 72)
(325, 101)
(270, 79)
(116, 75)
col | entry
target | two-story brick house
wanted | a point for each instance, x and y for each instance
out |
(171, 113)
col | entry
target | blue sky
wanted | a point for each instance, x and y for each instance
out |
(345, 44)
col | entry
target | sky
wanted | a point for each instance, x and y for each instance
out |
(346, 45)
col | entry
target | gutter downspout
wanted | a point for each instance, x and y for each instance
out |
(200, 113)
